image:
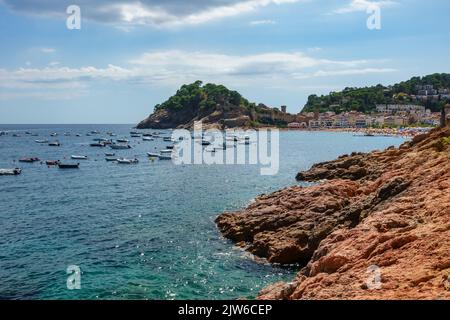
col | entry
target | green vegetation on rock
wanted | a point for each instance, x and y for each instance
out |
(365, 99)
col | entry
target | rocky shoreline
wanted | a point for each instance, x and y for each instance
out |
(389, 209)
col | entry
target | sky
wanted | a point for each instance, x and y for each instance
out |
(128, 56)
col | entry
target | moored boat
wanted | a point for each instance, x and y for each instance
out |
(148, 139)
(110, 159)
(54, 144)
(120, 146)
(41, 141)
(52, 162)
(68, 165)
(75, 157)
(152, 155)
(29, 160)
(10, 172)
(164, 157)
(127, 161)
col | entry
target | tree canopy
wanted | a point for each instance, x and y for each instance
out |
(365, 99)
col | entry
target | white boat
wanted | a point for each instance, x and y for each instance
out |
(79, 157)
(148, 139)
(41, 141)
(168, 139)
(54, 144)
(153, 155)
(127, 161)
(166, 151)
(122, 140)
(10, 172)
(164, 157)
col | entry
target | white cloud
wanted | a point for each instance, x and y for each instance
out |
(261, 22)
(176, 67)
(47, 50)
(147, 12)
(363, 5)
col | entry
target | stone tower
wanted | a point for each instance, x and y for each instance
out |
(445, 116)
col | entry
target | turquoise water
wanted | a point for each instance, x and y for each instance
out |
(142, 231)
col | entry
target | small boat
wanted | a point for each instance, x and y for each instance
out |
(127, 161)
(166, 151)
(120, 146)
(79, 157)
(135, 135)
(164, 157)
(97, 144)
(67, 134)
(41, 141)
(168, 139)
(147, 135)
(54, 134)
(95, 132)
(68, 165)
(109, 154)
(54, 144)
(27, 132)
(169, 147)
(78, 135)
(153, 155)
(110, 159)
(10, 172)
(16, 135)
(122, 140)
(134, 132)
(52, 162)
(148, 139)
(29, 160)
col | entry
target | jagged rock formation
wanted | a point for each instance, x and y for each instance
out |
(386, 208)
(215, 106)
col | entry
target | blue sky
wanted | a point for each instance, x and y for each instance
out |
(130, 55)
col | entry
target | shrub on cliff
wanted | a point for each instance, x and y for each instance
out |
(194, 96)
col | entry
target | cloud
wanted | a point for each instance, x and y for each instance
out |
(47, 50)
(363, 5)
(175, 67)
(261, 22)
(145, 12)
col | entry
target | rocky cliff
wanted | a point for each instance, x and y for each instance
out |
(215, 106)
(388, 210)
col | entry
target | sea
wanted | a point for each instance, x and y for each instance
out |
(141, 231)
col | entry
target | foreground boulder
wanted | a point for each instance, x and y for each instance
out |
(385, 213)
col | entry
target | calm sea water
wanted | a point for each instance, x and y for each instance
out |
(142, 231)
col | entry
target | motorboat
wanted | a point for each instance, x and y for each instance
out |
(153, 155)
(166, 151)
(169, 147)
(41, 141)
(168, 139)
(54, 144)
(68, 165)
(10, 172)
(111, 159)
(148, 139)
(164, 157)
(135, 135)
(54, 134)
(52, 162)
(120, 146)
(109, 154)
(122, 140)
(78, 157)
(97, 144)
(147, 135)
(29, 160)
(127, 161)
